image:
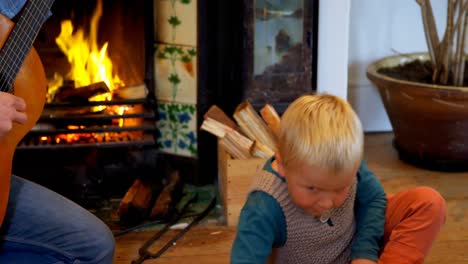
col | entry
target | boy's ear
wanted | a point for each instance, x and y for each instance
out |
(279, 164)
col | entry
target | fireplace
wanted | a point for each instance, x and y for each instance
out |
(84, 148)
(96, 133)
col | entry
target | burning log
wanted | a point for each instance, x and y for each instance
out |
(130, 92)
(69, 93)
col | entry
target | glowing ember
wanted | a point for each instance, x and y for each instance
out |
(105, 137)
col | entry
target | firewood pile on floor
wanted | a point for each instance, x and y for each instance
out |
(143, 200)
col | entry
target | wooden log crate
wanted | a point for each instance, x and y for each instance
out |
(235, 180)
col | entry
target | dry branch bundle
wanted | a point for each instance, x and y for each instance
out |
(447, 54)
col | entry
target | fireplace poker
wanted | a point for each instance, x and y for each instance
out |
(145, 254)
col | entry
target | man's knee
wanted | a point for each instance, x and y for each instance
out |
(106, 241)
(97, 244)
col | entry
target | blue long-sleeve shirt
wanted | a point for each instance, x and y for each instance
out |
(262, 224)
(10, 8)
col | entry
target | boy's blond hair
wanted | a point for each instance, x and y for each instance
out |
(320, 130)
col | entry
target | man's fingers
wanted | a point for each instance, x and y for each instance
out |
(13, 109)
(20, 104)
(20, 117)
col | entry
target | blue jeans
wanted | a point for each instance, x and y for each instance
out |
(42, 226)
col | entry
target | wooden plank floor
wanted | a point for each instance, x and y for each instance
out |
(211, 243)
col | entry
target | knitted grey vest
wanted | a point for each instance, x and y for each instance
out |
(308, 240)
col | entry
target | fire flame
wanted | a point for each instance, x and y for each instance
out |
(89, 64)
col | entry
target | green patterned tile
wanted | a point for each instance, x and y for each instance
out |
(176, 21)
(176, 73)
(177, 128)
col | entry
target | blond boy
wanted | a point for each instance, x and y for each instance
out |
(316, 201)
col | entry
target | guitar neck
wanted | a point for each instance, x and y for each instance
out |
(21, 39)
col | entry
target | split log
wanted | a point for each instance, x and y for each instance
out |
(128, 198)
(237, 145)
(214, 127)
(166, 201)
(136, 202)
(261, 151)
(271, 118)
(253, 126)
(217, 122)
(220, 116)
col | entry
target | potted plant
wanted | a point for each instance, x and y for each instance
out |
(426, 94)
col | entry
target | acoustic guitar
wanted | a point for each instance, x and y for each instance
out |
(22, 74)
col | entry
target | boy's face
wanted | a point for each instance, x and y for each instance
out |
(316, 190)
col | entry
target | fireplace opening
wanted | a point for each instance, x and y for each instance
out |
(97, 56)
(97, 131)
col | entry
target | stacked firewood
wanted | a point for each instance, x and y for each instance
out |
(143, 200)
(250, 134)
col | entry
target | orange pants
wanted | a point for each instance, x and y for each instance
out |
(413, 220)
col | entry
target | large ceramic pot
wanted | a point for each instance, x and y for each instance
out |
(430, 122)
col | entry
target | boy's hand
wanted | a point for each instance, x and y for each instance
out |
(363, 261)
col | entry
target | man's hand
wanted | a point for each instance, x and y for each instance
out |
(363, 261)
(12, 110)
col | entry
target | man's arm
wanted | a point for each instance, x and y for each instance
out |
(370, 207)
(261, 227)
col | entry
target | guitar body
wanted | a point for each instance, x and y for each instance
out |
(30, 84)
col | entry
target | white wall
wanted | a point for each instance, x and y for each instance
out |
(332, 55)
(379, 28)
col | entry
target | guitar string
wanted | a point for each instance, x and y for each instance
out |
(8, 50)
(21, 54)
(23, 30)
(18, 62)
